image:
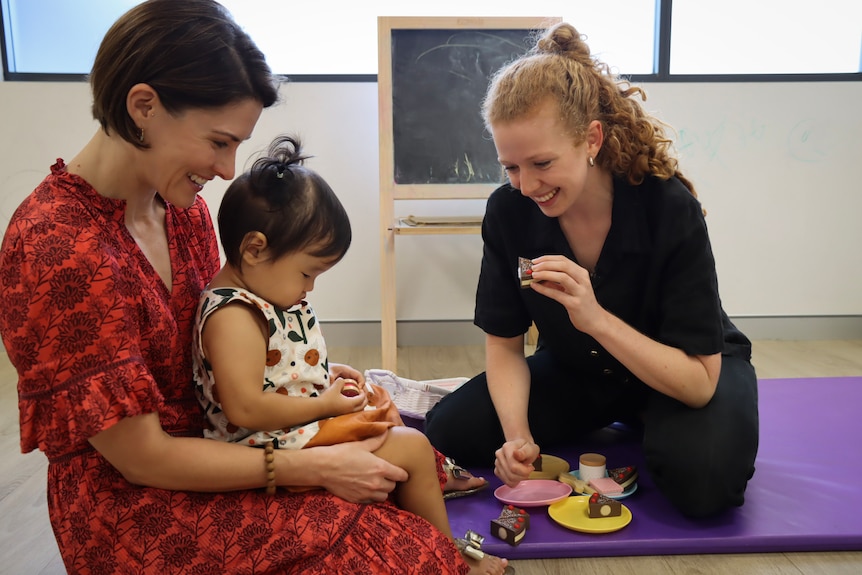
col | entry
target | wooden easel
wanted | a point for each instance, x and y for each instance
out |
(418, 40)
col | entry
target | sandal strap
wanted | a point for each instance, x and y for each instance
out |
(470, 545)
(456, 470)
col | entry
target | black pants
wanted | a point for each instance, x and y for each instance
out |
(700, 459)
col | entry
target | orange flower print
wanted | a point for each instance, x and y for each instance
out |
(312, 356)
(273, 356)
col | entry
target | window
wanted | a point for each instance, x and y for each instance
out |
(330, 38)
(766, 37)
(56, 36)
(328, 41)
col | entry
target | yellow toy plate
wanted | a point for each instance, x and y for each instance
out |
(552, 466)
(573, 513)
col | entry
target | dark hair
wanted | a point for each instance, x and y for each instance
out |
(288, 203)
(192, 53)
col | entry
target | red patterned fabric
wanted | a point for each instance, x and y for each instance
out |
(96, 337)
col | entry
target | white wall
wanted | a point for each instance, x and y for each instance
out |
(776, 165)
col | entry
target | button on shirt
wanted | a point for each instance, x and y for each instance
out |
(656, 272)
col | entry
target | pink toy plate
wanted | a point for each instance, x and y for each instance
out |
(533, 492)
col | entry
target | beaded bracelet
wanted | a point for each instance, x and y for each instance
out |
(270, 469)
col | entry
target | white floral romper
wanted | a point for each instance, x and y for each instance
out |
(296, 364)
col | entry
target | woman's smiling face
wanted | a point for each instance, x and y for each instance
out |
(190, 149)
(541, 160)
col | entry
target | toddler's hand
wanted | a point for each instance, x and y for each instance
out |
(340, 402)
(350, 388)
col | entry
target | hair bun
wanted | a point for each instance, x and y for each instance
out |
(286, 151)
(564, 39)
(284, 154)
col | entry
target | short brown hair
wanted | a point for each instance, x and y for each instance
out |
(192, 53)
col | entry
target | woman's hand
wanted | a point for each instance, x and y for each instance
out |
(352, 472)
(514, 461)
(691, 379)
(139, 449)
(509, 387)
(569, 284)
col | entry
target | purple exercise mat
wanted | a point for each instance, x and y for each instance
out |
(805, 494)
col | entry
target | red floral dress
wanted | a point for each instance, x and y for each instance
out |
(96, 337)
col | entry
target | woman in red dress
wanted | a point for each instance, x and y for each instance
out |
(102, 266)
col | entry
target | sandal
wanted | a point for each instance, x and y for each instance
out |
(456, 471)
(471, 546)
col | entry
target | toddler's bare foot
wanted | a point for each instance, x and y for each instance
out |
(488, 565)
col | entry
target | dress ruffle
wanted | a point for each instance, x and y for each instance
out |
(60, 421)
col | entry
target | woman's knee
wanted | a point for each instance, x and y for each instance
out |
(443, 423)
(702, 459)
(699, 486)
(464, 425)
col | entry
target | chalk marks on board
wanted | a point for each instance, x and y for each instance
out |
(728, 140)
(721, 138)
(808, 141)
(439, 78)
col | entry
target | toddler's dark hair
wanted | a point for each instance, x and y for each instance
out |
(288, 203)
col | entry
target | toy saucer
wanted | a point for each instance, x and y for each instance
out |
(573, 513)
(552, 466)
(533, 492)
(628, 490)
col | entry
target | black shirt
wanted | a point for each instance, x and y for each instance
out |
(656, 272)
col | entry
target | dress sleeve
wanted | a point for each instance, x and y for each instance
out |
(73, 335)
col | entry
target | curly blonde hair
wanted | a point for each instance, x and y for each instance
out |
(560, 67)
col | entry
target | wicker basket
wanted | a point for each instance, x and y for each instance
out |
(413, 398)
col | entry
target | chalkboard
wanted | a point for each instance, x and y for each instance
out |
(432, 78)
(439, 78)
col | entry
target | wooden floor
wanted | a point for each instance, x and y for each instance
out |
(27, 546)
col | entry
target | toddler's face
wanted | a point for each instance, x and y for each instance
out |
(286, 281)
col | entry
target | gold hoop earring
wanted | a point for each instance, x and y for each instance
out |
(589, 160)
